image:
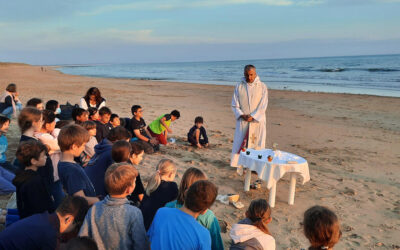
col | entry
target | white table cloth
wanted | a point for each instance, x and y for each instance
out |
(271, 172)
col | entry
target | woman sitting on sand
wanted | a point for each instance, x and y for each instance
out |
(92, 99)
(253, 232)
(9, 102)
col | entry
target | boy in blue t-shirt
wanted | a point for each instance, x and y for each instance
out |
(72, 140)
(174, 228)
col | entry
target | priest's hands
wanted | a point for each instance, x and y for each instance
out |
(247, 118)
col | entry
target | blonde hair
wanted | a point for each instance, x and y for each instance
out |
(118, 177)
(190, 176)
(164, 168)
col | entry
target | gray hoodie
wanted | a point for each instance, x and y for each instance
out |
(115, 224)
(246, 236)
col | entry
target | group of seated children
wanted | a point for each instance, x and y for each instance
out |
(70, 184)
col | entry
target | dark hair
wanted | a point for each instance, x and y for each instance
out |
(321, 227)
(12, 87)
(81, 243)
(88, 125)
(93, 91)
(77, 112)
(76, 206)
(105, 111)
(120, 151)
(135, 108)
(27, 117)
(136, 148)
(113, 116)
(176, 113)
(63, 123)
(48, 117)
(200, 196)
(198, 119)
(92, 111)
(33, 102)
(3, 119)
(72, 134)
(259, 212)
(28, 150)
(52, 105)
(118, 133)
(190, 176)
(248, 67)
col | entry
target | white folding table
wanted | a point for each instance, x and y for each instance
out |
(271, 172)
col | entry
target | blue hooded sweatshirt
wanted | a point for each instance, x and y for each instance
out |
(98, 165)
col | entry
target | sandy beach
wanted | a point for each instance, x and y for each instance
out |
(351, 143)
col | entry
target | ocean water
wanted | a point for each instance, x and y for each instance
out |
(372, 75)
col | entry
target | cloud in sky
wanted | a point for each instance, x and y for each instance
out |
(183, 4)
(102, 25)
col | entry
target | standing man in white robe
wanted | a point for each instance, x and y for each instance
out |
(249, 103)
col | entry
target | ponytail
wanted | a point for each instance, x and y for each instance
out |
(164, 168)
(259, 212)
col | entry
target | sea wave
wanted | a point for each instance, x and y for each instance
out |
(348, 69)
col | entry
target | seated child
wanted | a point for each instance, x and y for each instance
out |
(196, 132)
(72, 140)
(321, 227)
(113, 223)
(252, 232)
(81, 243)
(4, 164)
(54, 107)
(42, 231)
(208, 219)
(114, 121)
(9, 101)
(93, 114)
(102, 125)
(30, 120)
(88, 152)
(139, 132)
(160, 189)
(32, 195)
(102, 159)
(35, 103)
(132, 153)
(177, 228)
(48, 136)
(160, 127)
(79, 115)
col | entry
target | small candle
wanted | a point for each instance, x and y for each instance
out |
(259, 156)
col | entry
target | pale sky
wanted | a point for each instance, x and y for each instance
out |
(104, 31)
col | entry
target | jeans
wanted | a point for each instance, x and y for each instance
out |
(9, 110)
(6, 178)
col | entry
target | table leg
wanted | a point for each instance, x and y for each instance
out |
(272, 194)
(247, 180)
(292, 188)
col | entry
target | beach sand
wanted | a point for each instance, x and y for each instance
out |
(351, 142)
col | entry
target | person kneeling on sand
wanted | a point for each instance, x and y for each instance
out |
(160, 127)
(196, 132)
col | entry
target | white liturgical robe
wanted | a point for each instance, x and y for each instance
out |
(249, 99)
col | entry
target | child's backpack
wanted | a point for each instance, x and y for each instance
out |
(66, 111)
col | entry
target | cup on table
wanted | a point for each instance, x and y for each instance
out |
(247, 152)
(259, 156)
